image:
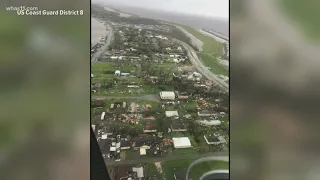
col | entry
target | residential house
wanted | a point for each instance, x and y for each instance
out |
(181, 142)
(167, 95)
(150, 128)
(204, 113)
(209, 122)
(174, 114)
(125, 145)
(214, 139)
(182, 96)
(178, 126)
(141, 143)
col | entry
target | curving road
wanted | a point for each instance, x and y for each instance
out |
(201, 67)
(104, 48)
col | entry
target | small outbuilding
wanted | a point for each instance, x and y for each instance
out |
(117, 72)
(143, 151)
(172, 114)
(167, 95)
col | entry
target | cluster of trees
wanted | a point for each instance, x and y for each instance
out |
(177, 34)
(225, 55)
(117, 42)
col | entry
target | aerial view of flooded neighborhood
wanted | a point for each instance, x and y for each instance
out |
(160, 95)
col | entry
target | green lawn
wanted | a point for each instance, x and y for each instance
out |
(186, 151)
(151, 172)
(123, 91)
(102, 66)
(108, 102)
(181, 166)
(212, 63)
(191, 105)
(98, 70)
(306, 14)
(132, 154)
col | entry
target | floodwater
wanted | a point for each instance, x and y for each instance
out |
(98, 30)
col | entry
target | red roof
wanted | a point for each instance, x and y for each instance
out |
(149, 126)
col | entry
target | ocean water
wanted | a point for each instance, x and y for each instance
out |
(98, 30)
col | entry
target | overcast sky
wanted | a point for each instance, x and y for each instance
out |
(213, 8)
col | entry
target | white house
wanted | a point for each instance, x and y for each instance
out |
(114, 57)
(182, 142)
(209, 122)
(117, 72)
(102, 115)
(104, 136)
(143, 151)
(172, 114)
(204, 113)
(113, 149)
(167, 95)
(125, 74)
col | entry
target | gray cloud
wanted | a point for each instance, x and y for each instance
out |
(212, 8)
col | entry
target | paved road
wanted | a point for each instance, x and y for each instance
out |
(202, 68)
(104, 48)
(167, 158)
(152, 97)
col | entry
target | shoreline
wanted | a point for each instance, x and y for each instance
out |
(98, 31)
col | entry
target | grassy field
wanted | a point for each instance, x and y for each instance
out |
(215, 66)
(210, 45)
(123, 91)
(306, 14)
(181, 166)
(151, 172)
(132, 154)
(102, 66)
